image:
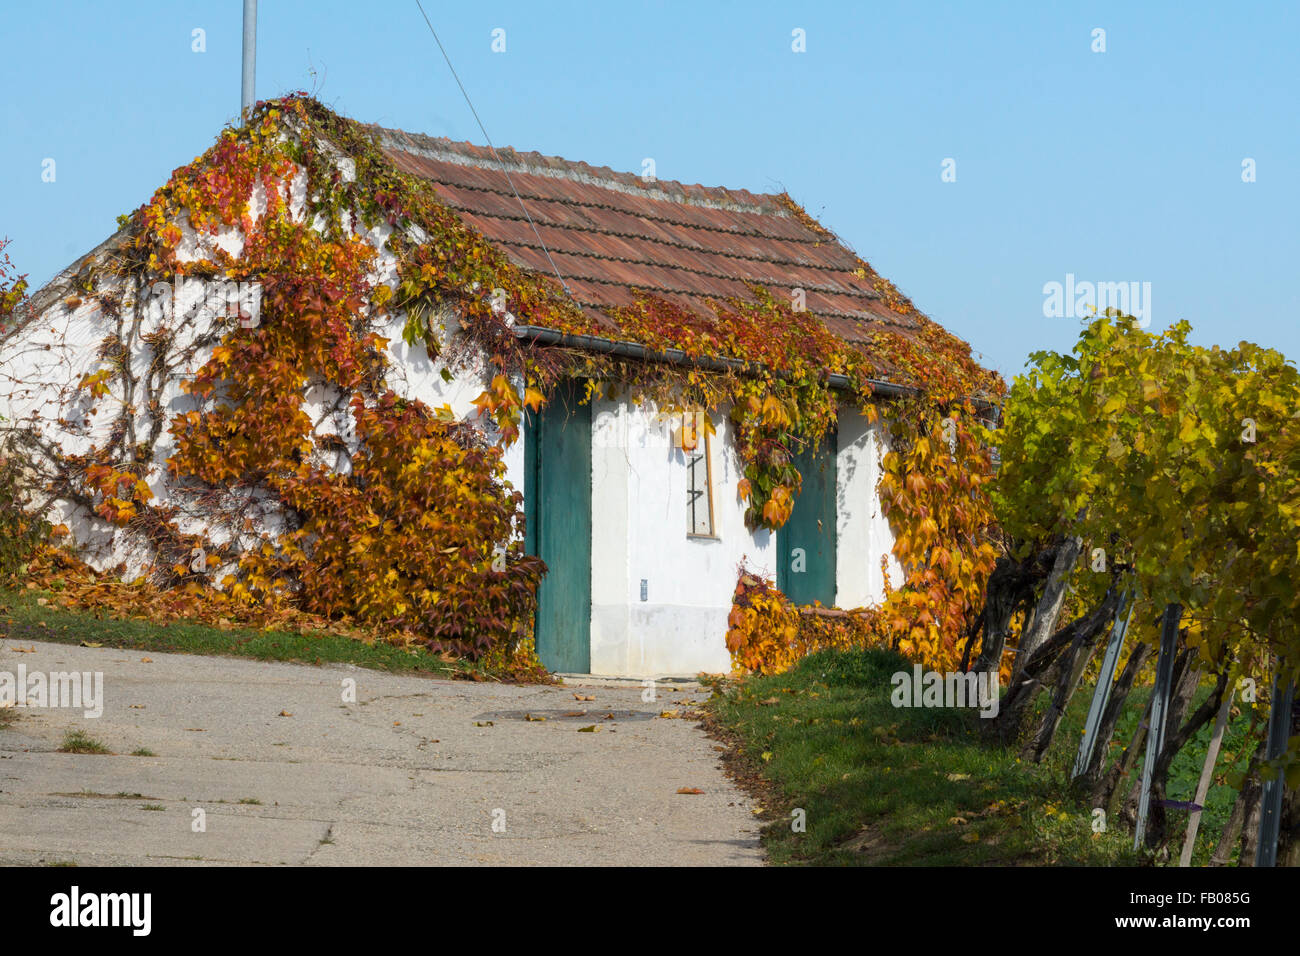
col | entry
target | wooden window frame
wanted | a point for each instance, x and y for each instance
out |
(693, 492)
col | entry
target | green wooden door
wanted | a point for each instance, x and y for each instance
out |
(557, 455)
(806, 543)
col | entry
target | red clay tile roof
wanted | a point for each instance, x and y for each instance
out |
(610, 233)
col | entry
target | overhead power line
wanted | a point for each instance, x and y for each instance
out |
(495, 155)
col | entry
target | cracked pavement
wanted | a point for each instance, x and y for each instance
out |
(415, 772)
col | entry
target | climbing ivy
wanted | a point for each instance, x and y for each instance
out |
(311, 200)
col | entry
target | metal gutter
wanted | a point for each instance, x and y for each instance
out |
(634, 350)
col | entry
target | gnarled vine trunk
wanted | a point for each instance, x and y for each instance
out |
(1107, 792)
(1042, 667)
(1048, 609)
(1069, 671)
(1010, 587)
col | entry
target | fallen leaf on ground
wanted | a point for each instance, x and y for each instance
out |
(770, 702)
(589, 730)
(285, 713)
(484, 723)
(531, 717)
(582, 697)
(689, 790)
(91, 644)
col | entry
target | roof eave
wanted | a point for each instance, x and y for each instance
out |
(539, 335)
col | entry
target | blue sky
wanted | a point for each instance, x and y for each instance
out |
(1115, 166)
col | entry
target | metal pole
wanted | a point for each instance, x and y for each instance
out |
(1105, 682)
(1270, 815)
(250, 56)
(1159, 712)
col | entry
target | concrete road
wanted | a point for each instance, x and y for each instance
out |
(415, 771)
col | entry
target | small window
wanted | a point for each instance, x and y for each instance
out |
(697, 445)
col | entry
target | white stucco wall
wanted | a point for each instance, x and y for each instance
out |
(864, 533)
(413, 374)
(42, 364)
(639, 531)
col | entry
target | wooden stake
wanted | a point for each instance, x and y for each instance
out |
(1207, 773)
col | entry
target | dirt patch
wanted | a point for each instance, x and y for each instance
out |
(871, 843)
